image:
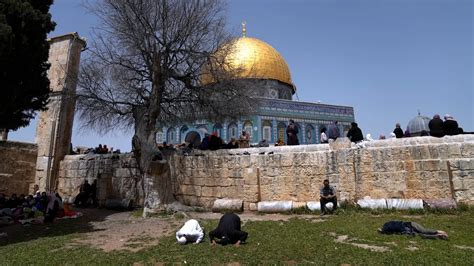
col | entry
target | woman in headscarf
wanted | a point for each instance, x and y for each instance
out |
(450, 126)
(436, 126)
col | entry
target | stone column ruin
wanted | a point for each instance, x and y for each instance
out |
(54, 129)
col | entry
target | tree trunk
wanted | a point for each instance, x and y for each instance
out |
(154, 167)
(4, 134)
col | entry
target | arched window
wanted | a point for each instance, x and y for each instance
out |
(159, 136)
(171, 135)
(267, 130)
(232, 131)
(310, 134)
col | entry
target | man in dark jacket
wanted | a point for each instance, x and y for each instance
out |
(228, 231)
(450, 126)
(333, 131)
(436, 126)
(327, 194)
(355, 134)
(398, 131)
(215, 142)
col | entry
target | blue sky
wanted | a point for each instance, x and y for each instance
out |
(386, 58)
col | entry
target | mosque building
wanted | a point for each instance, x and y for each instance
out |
(268, 74)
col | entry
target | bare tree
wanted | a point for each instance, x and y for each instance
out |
(144, 68)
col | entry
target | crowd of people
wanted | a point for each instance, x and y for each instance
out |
(437, 128)
(32, 209)
(229, 231)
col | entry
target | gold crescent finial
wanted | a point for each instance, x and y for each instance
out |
(244, 28)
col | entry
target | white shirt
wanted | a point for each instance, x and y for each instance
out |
(324, 138)
(192, 230)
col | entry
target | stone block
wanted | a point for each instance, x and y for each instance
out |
(467, 150)
(191, 190)
(211, 192)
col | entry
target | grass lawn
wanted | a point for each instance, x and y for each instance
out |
(297, 241)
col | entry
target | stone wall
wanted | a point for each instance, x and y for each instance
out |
(421, 167)
(117, 176)
(17, 167)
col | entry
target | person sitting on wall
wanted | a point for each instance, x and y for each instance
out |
(191, 232)
(411, 228)
(205, 142)
(324, 137)
(292, 133)
(436, 126)
(333, 131)
(228, 231)
(98, 150)
(244, 141)
(327, 194)
(450, 126)
(398, 131)
(355, 134)
(215, 142)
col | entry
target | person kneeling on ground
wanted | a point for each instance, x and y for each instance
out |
(191, 232)
(228, 231)
(327, 194)
(411, 228)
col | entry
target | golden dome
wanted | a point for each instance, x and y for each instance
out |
(254, 59)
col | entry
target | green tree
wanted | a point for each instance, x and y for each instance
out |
(24, 50)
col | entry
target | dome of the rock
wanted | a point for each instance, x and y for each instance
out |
(251, 58)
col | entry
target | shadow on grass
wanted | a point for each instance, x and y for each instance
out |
(18, 233)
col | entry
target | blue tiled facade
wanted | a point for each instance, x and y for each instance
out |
(269, 122)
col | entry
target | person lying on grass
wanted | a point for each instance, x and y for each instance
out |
(228, 231)
(191, 232)
(411, 228)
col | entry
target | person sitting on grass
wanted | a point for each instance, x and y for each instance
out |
(327, 194)
(228, 231)
(191, 232)
(411, 228)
